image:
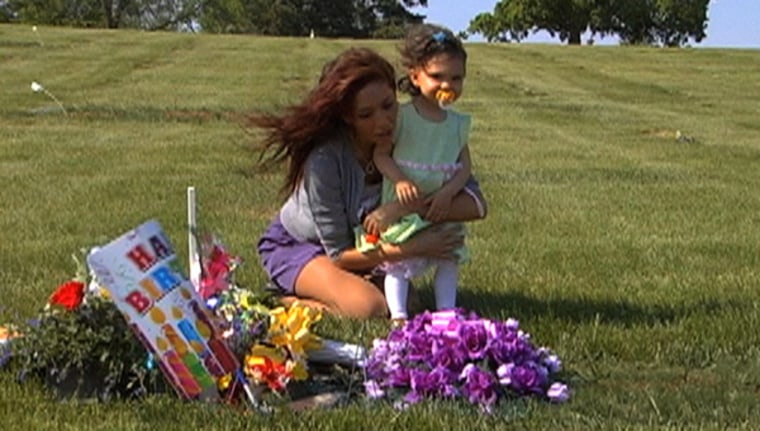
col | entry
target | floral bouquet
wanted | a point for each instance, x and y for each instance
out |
(273, 343)
(81, 345)
(455, 354)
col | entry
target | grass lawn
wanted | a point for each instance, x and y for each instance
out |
(633, 254)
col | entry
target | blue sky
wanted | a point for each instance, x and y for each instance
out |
(731, 23)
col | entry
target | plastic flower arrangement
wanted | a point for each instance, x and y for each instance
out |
(274, 343)
(217, 267)
(80, 345)
(455, 354)
(80, 334)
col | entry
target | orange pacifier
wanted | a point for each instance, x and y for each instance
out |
(445, 97)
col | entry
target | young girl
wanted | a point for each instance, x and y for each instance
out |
(428, 162)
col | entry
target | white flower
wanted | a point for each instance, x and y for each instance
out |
(34, 28)
(36, 87)
(558, 393)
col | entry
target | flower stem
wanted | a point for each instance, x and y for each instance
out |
(55, 99)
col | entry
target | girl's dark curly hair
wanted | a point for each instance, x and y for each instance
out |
(423, 42)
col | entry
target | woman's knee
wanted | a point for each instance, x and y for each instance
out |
(341, 291)
(366, 306)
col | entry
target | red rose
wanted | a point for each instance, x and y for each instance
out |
(69, 295)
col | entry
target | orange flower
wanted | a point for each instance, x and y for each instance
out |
(68, 295)
(266, 369)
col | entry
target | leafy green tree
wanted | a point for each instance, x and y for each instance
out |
(508, 22)
(514, 19)
(145, 14)
(78, 13)
(391, 17)
(224, 16)
(666, 22)
(7, 14)
(335, 18)
(178, 15)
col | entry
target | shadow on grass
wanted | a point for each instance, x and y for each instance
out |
(583, 310)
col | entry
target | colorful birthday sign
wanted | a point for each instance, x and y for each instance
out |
(141, 273)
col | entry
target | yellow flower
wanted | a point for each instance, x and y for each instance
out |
(224, 382)
(245, 299)
(297, 368)
(265, 365)
(291, 328)
(259, 352)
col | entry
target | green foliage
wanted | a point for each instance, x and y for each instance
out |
(665, 22)
(632, 254)
(339, 18)
(77, 13)
(144, 14)
(508, 22)
(93, 343)
(336, 18)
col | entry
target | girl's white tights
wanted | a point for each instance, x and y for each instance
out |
(444, 283)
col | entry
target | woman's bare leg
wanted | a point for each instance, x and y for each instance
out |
(340, 291)
(288, 300)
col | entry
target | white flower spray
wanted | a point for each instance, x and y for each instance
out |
(38, 88)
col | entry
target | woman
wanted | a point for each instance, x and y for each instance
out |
(327, 140)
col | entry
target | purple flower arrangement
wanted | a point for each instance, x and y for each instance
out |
(457, 354)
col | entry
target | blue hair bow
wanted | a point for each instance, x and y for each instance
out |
(439, 36)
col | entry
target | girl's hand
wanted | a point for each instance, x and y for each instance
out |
(407, 192)
(440, 204)
(372, 226)
(437, 242)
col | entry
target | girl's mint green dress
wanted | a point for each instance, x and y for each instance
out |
(427, 153)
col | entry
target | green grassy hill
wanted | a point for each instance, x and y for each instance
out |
(624, 225)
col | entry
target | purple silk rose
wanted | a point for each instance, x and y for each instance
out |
(456, 354)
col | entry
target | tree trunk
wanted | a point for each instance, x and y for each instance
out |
(574, 38)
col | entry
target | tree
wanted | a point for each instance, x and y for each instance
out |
(145, 14)
(508, 22)
(7, 14)
(335, 18)
(391, 17)
(114, 10)
(78, 13)
(177, 15)
(514, 19)
(666, 22)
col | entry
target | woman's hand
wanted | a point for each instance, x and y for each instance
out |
(437, 242)
(440, 204)
(385, 215)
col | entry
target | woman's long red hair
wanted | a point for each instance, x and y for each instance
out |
(294, 134)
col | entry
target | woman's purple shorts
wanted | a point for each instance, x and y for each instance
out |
(283, 257)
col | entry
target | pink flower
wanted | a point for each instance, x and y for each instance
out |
(217, 269)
